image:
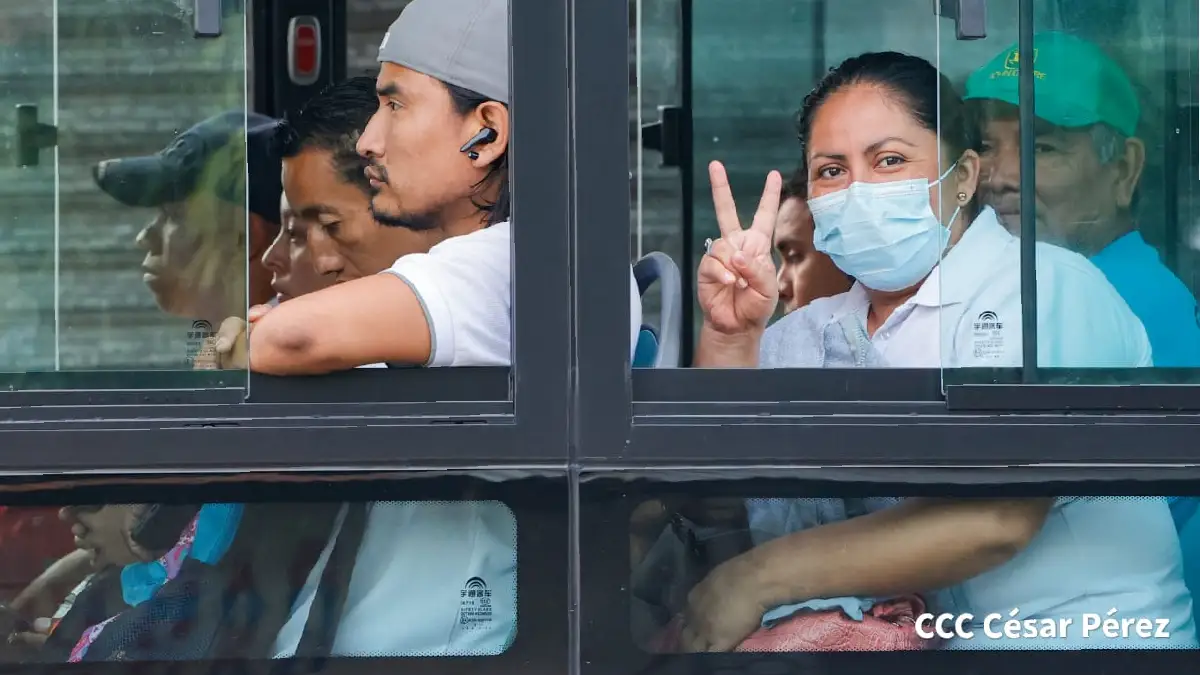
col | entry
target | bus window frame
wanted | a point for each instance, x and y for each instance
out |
(516, 415)
(865, 417)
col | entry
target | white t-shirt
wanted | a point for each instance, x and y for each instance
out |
(431, 579)
(419, 562)
(464, 285)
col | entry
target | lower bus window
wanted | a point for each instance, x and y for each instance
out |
(309, 579)
(890, 574)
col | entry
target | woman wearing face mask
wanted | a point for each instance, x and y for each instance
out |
(927, 261)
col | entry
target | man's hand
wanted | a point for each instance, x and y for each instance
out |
(33, 639)
(230, 345)
(723, 609)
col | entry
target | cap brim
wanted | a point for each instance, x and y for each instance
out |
(994, 92)
(136, 181)
(1057, 112)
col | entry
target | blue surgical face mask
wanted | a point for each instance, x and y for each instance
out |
(885, 235)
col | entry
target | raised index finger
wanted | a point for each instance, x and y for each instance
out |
(727, 217)
(768, 205)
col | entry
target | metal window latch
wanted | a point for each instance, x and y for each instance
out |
(970, 17)
(32, 135)
(665, 135)
(206, 18)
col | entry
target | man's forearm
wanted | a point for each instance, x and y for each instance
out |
(43, 595)
(919, 545)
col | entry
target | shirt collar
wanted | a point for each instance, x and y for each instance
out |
(967, 264)
(1131, 245)
(854, 301)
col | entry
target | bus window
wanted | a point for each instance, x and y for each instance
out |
(146, 197)
(126, 238)
(739, 82)
(707, 565)
(201, 580)
(1112, 193)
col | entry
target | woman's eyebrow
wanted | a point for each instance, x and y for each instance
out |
(870, 149)
(874, 147)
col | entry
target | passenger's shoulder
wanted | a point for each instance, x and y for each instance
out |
(496, 237)
(813, 315)
(794, 341)
(1067, 266)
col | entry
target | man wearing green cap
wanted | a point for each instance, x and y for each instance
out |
(1089, 162)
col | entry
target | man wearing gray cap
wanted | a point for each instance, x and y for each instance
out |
(438, 153)
(427, 578)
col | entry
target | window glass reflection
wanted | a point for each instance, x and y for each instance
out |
(879, 574)
(379, 209)
(1109, 152)
(131, 582)
(99, 82)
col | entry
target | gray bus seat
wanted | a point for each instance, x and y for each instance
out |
(658, 347)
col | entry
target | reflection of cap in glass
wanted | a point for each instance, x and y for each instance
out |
(216, 154)
(1075, 83)
(460, 42)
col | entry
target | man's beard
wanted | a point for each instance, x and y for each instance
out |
(417, 222)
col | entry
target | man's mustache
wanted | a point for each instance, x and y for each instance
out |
(377, 172)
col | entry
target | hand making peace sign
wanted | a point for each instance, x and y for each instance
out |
(736, 282)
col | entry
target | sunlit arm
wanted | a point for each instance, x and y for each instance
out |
(376, 319)
(918, 545)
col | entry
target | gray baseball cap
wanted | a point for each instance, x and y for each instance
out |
(460, 42)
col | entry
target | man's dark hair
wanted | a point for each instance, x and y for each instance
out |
(332, 121)
(465, 101)
(795, 186)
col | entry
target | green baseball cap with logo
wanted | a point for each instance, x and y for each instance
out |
(1075, 83)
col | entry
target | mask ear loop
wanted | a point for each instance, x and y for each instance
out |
(944, 233)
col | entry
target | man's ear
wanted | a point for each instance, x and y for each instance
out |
(493, 115)
(1129, 165)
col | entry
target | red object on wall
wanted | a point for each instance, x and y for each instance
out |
(305, 55)
(31, 539)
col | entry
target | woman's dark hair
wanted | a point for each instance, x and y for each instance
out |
(465, 101)
(915, 83)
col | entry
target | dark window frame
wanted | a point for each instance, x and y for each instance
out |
(684, 415)
(400, 417)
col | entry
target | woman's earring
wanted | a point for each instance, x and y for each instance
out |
(962, 197)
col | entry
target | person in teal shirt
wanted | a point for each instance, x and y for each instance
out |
(1088, 164)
